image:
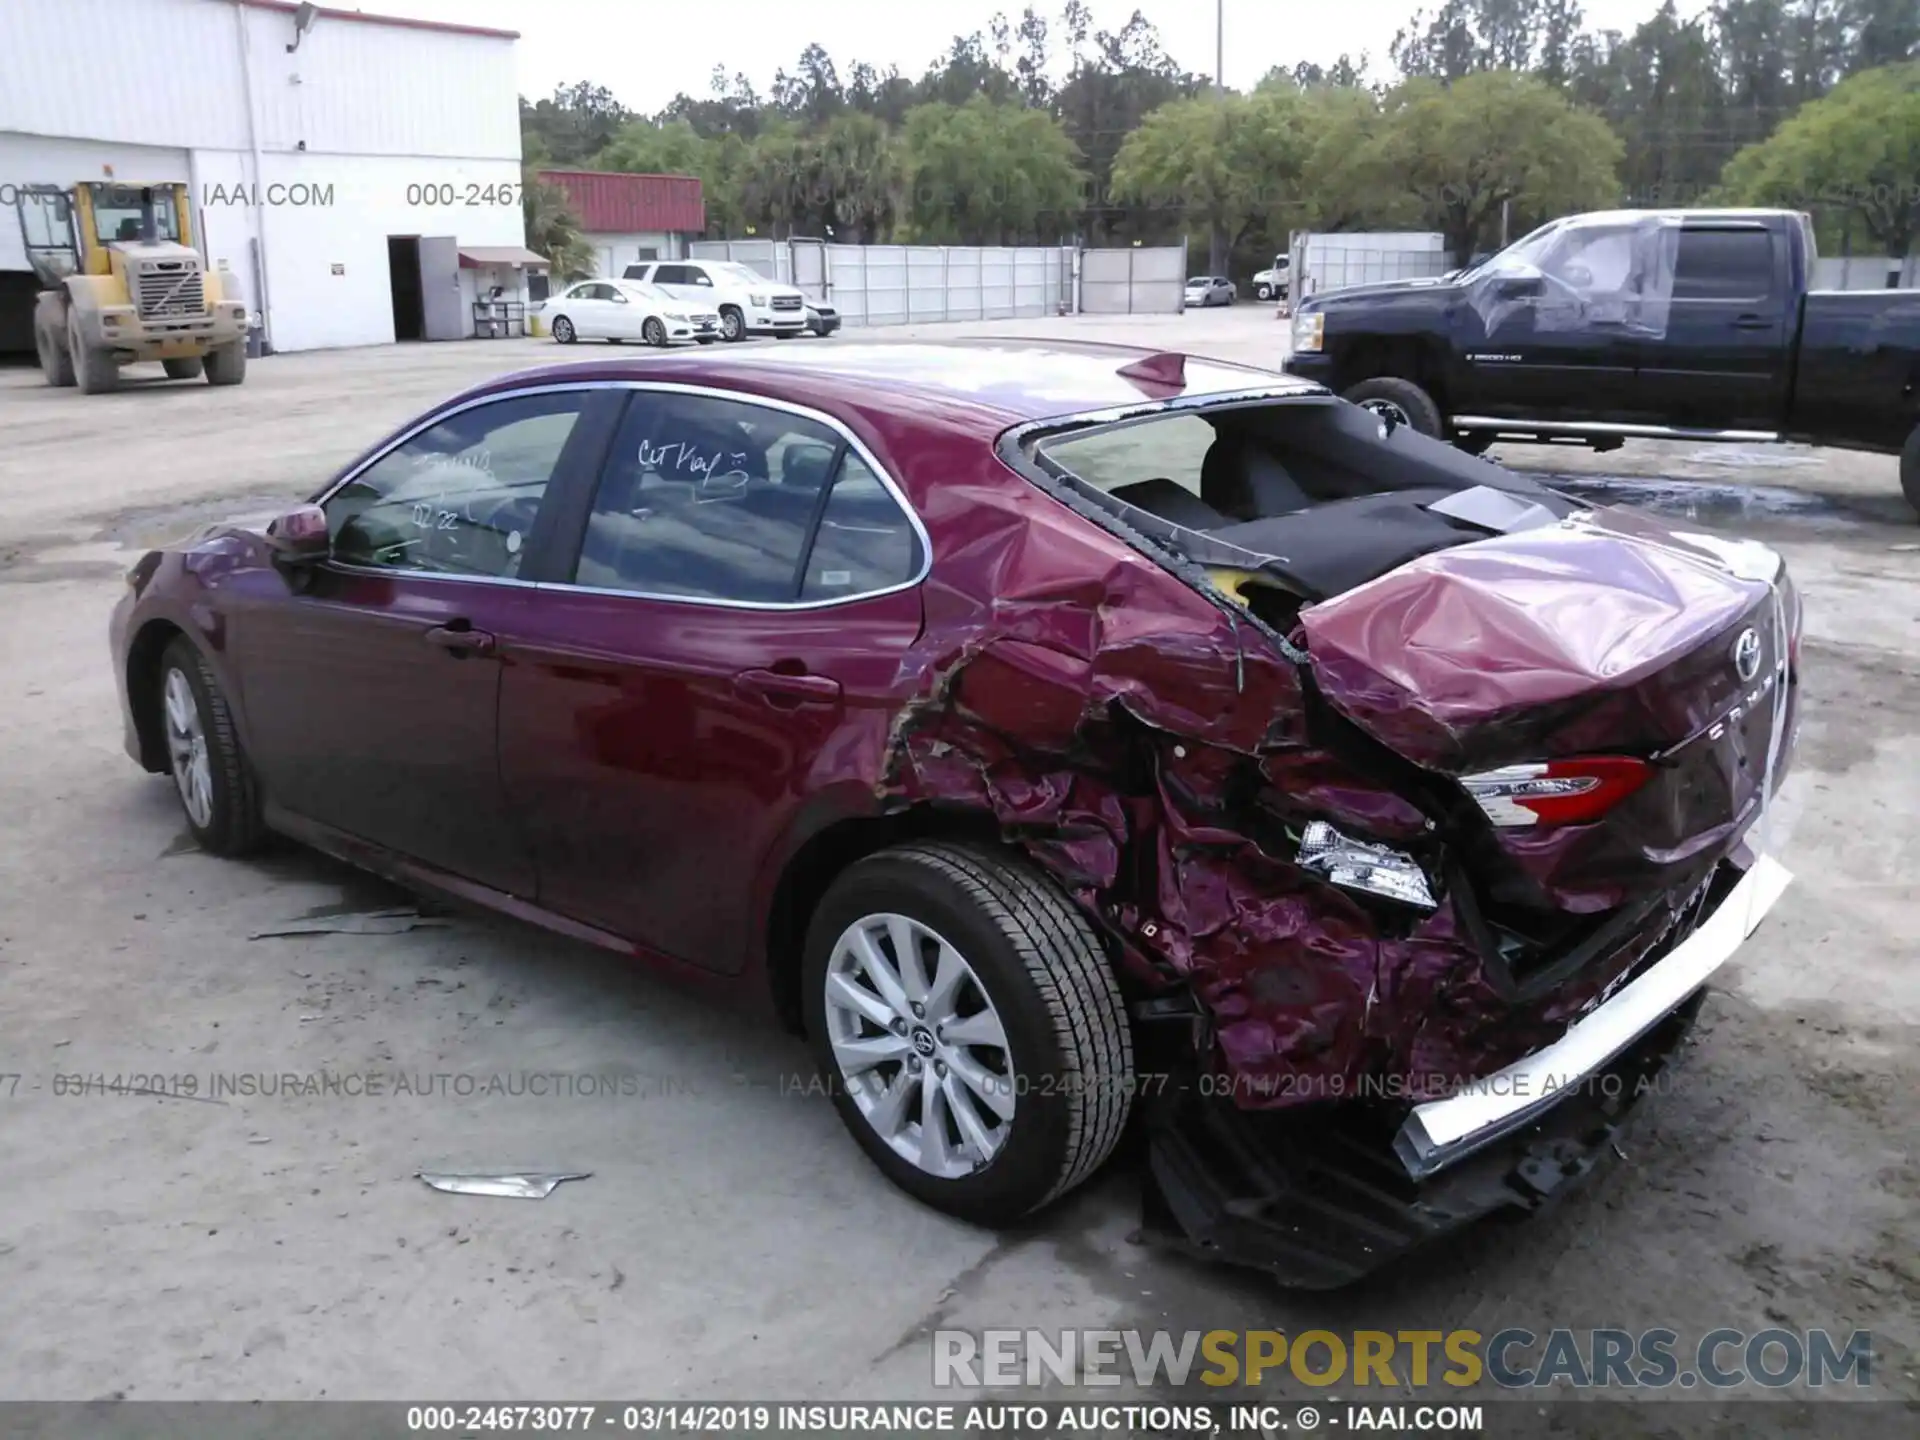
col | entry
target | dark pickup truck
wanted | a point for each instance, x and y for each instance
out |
(1692, 324)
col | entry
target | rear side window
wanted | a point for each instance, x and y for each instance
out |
(717, 499)
(1724, 265)
(865, 541)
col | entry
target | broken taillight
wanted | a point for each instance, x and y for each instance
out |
(1556, 792)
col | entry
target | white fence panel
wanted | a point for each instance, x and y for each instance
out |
(1863, 272)
(1133, 281)
(918, 284)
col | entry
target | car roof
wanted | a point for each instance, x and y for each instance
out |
(985, 384)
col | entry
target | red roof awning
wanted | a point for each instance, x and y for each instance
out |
(612, 203)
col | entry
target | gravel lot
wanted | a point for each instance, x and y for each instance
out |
(731, 1239)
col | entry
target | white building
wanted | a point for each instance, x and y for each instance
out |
(338, 163)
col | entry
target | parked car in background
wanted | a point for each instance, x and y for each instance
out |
(1698, 324)
(822, 318)
(1047, 733)
(1204, 290)
(1271, 283)
(622, 310)
(747, 302)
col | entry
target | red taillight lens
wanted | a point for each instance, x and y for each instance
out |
(1556, 792)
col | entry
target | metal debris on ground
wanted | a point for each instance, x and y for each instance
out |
(512, 1184)
(366, 922)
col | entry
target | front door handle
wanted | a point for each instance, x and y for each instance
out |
(781, 688)
(460, 638)
(1753, 322)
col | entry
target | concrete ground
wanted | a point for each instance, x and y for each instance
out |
(731, 1240)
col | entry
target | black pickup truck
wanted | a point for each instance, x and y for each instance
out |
(1692, 324)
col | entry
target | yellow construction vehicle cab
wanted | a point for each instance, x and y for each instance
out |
(123, 283)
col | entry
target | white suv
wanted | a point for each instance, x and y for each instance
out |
(748, 302)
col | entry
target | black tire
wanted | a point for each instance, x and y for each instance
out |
(56, 361)
(706, 339)
(733, 324)
(1069, 1051)
(563, 331)
(188, 368)
(94, 370)
(654, 333)
(227, 364)
(1910, 469)
(1402, 395)
(1263, 292)
(234, 826)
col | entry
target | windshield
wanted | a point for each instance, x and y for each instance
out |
(116, 213)
(744, 274)
(1524, 254)
(639, 290)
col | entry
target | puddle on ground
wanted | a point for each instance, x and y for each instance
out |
(1709, 501)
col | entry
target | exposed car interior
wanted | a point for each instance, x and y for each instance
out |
(1314, 496)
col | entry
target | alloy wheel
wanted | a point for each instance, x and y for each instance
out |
(1388, 411)
(187, 749)
(731, 325)
(919, 1045)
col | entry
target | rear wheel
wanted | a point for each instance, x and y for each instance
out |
(203, 754)
(1400, 401)
(94, 369)
(563, 330)
(654, 333)
(971, 1027)
(227, 364)
(184, 369)
(1910, 469)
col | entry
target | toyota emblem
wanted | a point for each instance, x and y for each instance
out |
(1746, 654)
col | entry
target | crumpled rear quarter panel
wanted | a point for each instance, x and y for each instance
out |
(1150, 750)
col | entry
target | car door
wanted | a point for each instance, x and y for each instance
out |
(727, 647)
(371, 692)
(1557, 337)
(581, 307)
(1722, 362)
(624, 317)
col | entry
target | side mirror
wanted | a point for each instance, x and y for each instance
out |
(299, 537)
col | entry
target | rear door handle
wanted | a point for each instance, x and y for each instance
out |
(460, 638)
(781, 688)
(1753, 322)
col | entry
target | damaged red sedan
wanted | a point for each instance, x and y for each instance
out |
(1057, 734)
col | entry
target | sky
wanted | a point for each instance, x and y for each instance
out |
(646, 51)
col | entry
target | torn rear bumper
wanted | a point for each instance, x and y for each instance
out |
(1323, 1195)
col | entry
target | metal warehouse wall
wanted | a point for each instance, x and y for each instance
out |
(367, 130)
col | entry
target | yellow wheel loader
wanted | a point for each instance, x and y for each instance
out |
(123, 283)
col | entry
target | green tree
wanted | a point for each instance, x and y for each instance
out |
(986, 173)
(1346, 180)
(577, 122)
(1855, 153)
(1491, 140)
(1232, 163)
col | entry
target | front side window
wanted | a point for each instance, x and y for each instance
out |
(460, 498)
(718, 499)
